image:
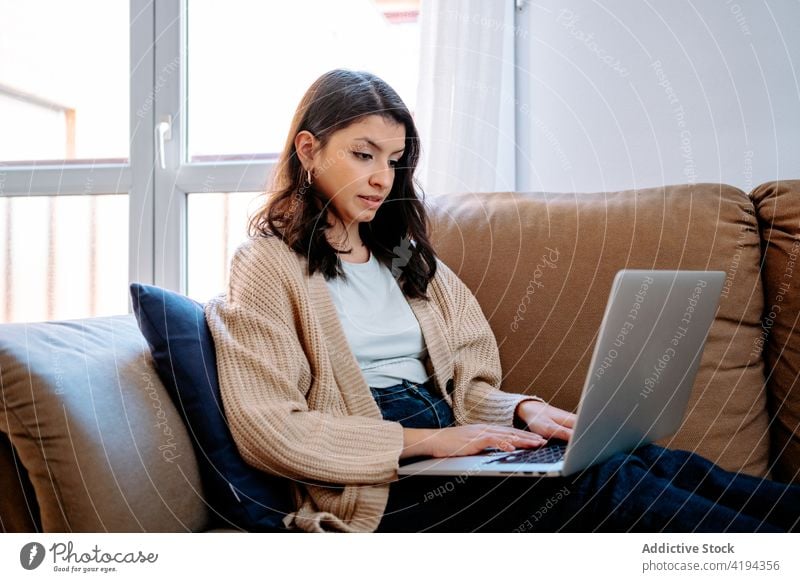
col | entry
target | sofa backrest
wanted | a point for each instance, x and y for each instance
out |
(103, 445)
(541, 266)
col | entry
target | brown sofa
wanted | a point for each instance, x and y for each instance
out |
(89, 440)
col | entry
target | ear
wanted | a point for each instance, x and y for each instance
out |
(305, 144)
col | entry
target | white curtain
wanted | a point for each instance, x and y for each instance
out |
(465, 105)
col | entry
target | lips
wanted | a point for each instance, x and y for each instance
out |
(371, 202)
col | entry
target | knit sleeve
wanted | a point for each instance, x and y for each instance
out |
(477, 373)
(264, 375)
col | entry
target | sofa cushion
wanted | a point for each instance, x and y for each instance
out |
(183, 350)
(541, 266)
(103, 446)
(778, 212)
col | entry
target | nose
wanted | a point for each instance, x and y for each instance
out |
(382, 179)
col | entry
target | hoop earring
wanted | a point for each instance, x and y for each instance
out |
(304, 184)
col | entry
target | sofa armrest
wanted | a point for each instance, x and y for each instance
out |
(19, 512)
(95, 430)
(778, 212)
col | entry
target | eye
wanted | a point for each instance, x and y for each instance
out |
(366, 156)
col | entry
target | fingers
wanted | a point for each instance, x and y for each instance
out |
(547, 412)
(560, 416)
(562, 432)
(473, 439)
(564, 418)
(508, 439)
(551, 429)
(555, 420)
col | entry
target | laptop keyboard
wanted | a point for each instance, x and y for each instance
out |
(549, 454)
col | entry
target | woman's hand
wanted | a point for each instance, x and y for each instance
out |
(470, 439)
(546, 420)
(543, 422)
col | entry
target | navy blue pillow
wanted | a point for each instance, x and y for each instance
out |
(238, 494)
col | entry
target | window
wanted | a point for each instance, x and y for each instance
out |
(137, 136)
(64, 151)
(64, 89)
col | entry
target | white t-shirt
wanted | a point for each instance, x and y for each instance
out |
(383, 332)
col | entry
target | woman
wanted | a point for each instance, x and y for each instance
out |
(344, 346)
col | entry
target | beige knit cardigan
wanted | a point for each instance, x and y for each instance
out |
(296, 401)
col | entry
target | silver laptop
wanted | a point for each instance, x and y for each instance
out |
(639, 381)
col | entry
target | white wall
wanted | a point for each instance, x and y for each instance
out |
(620, 94)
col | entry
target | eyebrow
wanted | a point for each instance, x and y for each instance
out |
(376, 146)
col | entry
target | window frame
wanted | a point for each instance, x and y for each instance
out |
(180, 177)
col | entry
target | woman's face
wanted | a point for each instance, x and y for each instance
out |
(355, 170)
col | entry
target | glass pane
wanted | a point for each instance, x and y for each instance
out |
(64, 69)
(251, 62)
(217, 224)
(63, 257)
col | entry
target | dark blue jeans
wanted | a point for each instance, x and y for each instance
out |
(414, 405)
(647, 490)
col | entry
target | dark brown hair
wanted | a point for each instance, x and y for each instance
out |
(297, 213)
